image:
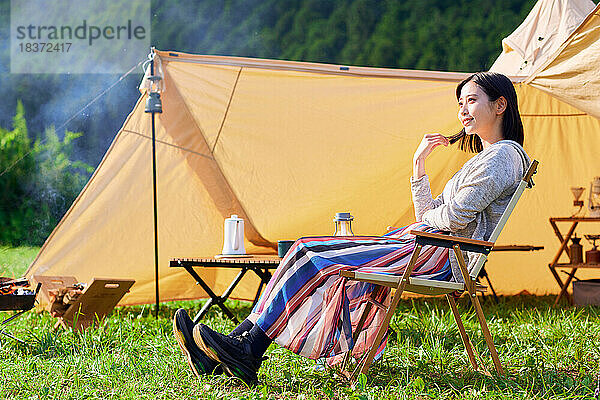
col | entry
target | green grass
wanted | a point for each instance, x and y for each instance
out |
(14, 261)
(548, 353)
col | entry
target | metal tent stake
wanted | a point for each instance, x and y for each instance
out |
(154, 105)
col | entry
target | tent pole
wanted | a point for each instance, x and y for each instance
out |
(155, 202)
(155, 212)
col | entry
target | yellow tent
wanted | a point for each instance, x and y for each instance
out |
(286, 145)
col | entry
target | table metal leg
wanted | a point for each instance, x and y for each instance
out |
(262, 272)
(233, 284)
(265, 277)
(220, 301)
(214, 299)
(203, 310)
(199, 281)
(257, 296)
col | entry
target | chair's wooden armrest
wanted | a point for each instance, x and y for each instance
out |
(457, 239)
(379, 279)
(437, 239)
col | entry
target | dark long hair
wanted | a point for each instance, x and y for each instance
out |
(495, 85)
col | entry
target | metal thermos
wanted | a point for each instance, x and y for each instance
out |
(576, 251)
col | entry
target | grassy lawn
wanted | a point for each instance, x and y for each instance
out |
(14, 261)
(548, 353)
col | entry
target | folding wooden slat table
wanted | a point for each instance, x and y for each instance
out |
(261, 265)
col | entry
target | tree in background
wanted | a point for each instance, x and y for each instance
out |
(39, 181)
(15, 147)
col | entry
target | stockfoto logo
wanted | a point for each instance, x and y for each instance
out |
(78, 36)
(81, 32)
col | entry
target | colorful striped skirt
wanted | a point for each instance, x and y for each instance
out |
(309, 309)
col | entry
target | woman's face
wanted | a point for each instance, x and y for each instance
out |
(475, 110)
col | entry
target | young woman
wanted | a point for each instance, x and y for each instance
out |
(309, 309)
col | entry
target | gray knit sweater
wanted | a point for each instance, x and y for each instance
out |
(474, 199)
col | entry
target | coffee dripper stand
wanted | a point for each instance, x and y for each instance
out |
(577, 192)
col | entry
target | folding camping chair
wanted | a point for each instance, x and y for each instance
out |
(435, 288)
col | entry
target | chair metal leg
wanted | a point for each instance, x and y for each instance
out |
(470, 285)
(463, 333)
(364, 365)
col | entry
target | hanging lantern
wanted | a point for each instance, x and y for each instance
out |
(153, 102)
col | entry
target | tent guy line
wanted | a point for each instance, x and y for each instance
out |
(170, 144)
(75, 114)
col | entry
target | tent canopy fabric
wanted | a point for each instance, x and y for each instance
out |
(572, 74)
(540, 35)
(286, 145)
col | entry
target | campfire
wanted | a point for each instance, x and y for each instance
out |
(17, 287)
(15, 294)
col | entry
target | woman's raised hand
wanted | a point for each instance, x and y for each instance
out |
(430, 141)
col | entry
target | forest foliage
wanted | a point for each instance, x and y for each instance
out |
(39, 182)
(461, 35)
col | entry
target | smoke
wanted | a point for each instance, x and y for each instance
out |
(51, 100)
(208, 27)
(54, 98)
(100, 121)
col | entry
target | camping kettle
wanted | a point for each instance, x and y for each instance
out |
(233, 238)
